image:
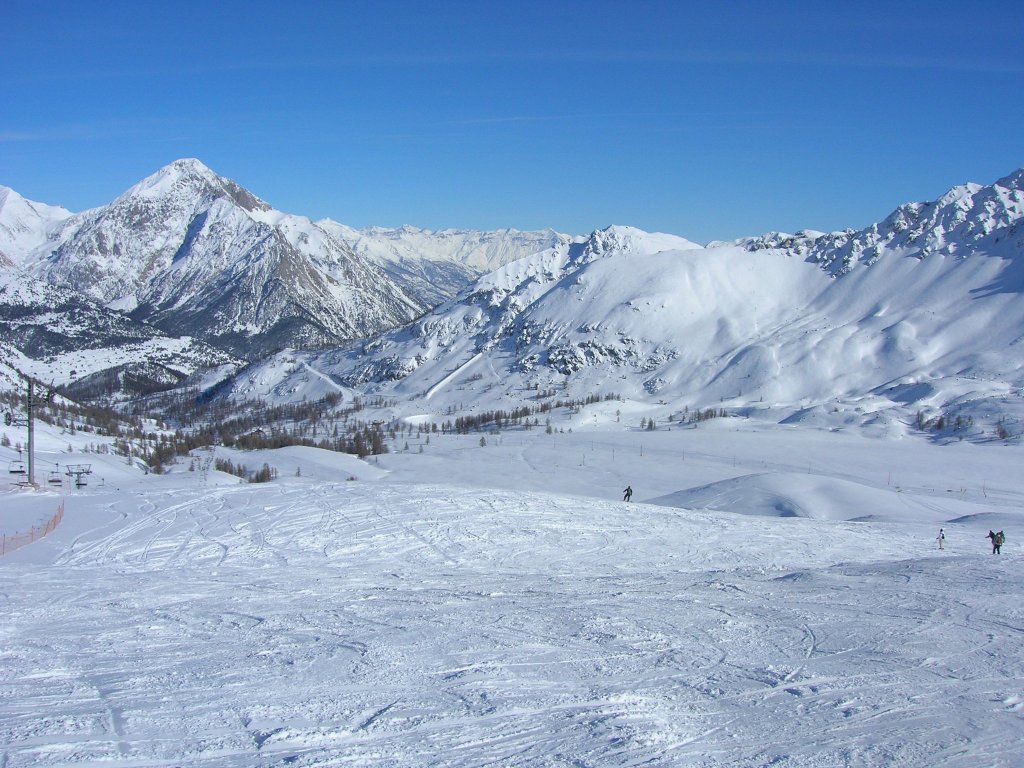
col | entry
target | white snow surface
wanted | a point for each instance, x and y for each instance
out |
(772, 596)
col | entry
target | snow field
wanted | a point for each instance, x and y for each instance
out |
(401, 621)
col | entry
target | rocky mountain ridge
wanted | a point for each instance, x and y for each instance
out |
(968, 218)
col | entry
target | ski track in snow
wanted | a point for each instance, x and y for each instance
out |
(404, 625)
(452, 376)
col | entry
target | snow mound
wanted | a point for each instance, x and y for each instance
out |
(786, 494)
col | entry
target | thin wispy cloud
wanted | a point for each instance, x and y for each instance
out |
(145, 128)
(64, 133)
(511, 119)
(553, 58)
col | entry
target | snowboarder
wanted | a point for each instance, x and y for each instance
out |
(942, 539)
(627, 494)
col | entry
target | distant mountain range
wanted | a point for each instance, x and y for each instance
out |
(187, 253)
(921, 312)
(193, 253)
(187, 272)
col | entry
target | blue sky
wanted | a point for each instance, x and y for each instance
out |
(706, 120)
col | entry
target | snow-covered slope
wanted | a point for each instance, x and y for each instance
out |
(458, 605)
(932, 320)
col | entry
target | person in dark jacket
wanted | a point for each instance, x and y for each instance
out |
(997, 541)
(627, 494)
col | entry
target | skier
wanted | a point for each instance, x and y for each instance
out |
(997, 541)
(942, 539)
(627, 493)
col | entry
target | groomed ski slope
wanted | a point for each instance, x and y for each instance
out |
(499, 606)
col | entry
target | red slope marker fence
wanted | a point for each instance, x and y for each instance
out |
(14, 541)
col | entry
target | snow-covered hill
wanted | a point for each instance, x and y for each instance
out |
(927, 317)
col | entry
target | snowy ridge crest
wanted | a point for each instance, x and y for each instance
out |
(968, 218)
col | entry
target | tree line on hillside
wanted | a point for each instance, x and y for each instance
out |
(248, 425)
(517, 417)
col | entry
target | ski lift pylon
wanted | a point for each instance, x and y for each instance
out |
(78, 471)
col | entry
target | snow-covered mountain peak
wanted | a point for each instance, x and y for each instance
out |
(969, 218)
(194, 253)
(961, 195)
(1013, 181)
(798, 243)
(190, 178)
(622, 239)
(24, 224)
(6, 192)
(114, 251)
(526, 276)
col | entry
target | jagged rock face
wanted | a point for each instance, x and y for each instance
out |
(111, 253)
(966, 219)
(252, 287)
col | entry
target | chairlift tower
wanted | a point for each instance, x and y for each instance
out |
(13, 421)
(78, 471)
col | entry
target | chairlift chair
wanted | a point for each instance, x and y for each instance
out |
(16, 467)
(55, 478)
